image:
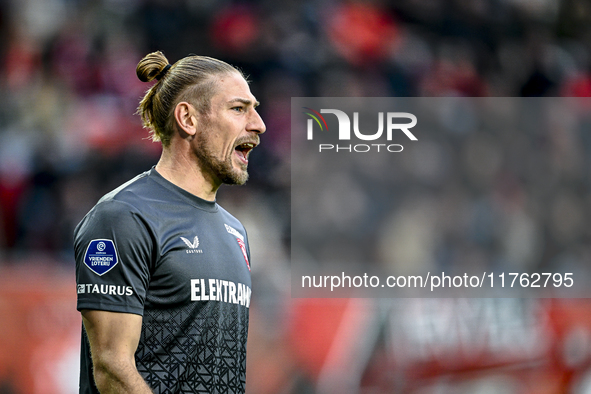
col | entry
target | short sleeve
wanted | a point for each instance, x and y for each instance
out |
(113, 248)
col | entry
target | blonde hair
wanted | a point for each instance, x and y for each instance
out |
(190, 79)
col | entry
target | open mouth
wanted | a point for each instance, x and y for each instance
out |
(244, 149)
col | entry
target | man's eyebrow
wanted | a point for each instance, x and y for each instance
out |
(244, 101)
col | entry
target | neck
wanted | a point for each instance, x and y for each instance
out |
(184, 173)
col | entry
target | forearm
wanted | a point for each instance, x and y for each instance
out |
(113, 377)
(113, 339)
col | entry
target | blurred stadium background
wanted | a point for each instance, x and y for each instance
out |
(68, 134)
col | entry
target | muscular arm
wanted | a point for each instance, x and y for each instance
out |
(114, 338)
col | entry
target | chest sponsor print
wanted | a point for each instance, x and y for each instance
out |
(221, 291)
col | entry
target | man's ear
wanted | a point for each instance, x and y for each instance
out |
(186, 118)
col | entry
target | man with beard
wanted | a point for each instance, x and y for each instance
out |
(162, 271)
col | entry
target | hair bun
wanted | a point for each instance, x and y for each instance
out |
(162, 73)
(153, 66)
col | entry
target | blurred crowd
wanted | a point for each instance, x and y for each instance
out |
(69, 132)
(67, 122)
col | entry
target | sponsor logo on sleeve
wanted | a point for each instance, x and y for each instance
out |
(106, 289)
(101, 256)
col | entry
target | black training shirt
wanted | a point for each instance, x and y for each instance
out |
(151, 248)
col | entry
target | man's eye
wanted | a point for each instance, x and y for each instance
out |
(239, 109)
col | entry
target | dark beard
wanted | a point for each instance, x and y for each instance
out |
(222, 169)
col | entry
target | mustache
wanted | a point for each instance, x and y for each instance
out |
(256, 141)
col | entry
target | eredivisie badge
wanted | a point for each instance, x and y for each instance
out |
(100, 256)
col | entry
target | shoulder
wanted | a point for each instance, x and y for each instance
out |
(111, 212)
(131, 192)
(121, 208)
(229, 219)
(108, 219)
(233, 225)
(136, 196)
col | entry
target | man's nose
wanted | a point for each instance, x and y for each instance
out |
(256, 123)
